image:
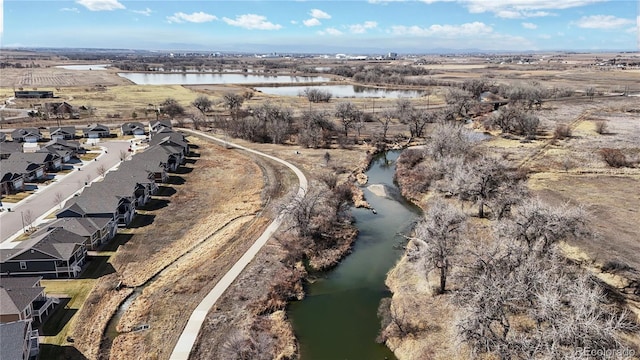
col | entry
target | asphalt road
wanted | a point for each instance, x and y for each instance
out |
(190, 332)
(46, 198)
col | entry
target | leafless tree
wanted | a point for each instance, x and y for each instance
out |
(385, 120)
(539, 226)
(202, 103)
(102, 170)
(28, 218)
(418, 120)
(348, 114)
(563, 308)
(403, 108)
(515, 120)
(233, 102)
(460, 100)
(482, 180)
(315, 129)
(449, 139)
(277, 121)
(171, 107)
(58, 199)
(436, 238)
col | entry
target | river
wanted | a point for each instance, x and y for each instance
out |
(338, 318)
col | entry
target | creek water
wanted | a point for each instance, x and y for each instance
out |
(338, 317)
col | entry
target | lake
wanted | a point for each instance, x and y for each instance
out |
(211, 78)
(342, 91)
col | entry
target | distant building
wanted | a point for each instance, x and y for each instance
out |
(392, 56)
(33, 94)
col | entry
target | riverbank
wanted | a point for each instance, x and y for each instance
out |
(418, 323)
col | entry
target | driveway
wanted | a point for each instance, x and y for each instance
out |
(190, 332)
(47, 198)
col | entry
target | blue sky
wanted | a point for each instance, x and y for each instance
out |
(356, 26)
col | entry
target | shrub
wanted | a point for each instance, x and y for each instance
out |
(562, 131)
(601, 127)
(614, 157)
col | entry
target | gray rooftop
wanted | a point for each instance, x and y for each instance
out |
(12, 338)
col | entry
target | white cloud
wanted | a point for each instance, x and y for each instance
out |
(330, 31)
(73, 9)
(196, 17)
(145, 12)
(312, 22)
(319, 14)
(530, 26)
(252, 22)
(448, 31)
(362, 28)
(544, 36)
(512, 9)
(101, 5)
(294, 22)
(602, 22)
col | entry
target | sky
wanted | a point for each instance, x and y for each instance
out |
(327, 26)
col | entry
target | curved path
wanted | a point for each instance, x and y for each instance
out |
(190, 333)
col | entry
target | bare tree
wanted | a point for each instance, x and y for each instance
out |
(58, 199)
(233, 102)
(171, 107)
(27, 219)
(202, 103)
(348, 114)
(482, 180)
(460, 100)
(403, 108)
(515, 120)
(449, 139)
(417, 120)
(102, 170)
(385, 121)
(436, 238)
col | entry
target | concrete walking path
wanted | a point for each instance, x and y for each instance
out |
(189, 335)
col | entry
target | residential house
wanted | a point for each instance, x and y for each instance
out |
(10, 182)
(95, 131)
(56, 253)
(30, 171)
(132, 128)
(102, 202)
(9, 147)
(61, 110)
(171, 139)
(19, 340)
(129, 177)
(159, 126)
(156, 160)
(29, 135)
(63, 148)
(96, 231)
(51, 162)
(62, 132)
(23, 298)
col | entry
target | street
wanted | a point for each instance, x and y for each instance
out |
(49, 197)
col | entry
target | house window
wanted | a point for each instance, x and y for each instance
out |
(23, 265)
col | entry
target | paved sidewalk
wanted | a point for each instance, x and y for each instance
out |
(189, 335)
